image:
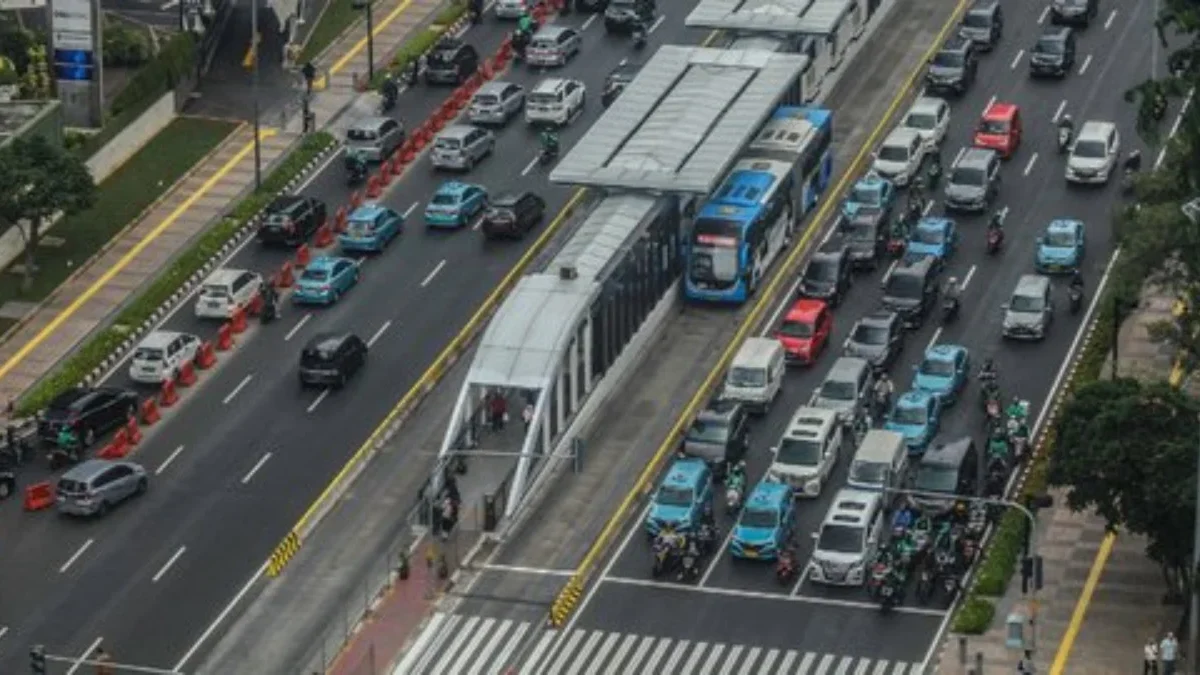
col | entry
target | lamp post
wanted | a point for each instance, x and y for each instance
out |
(366, 5)
(256, 43)
(1194, 592)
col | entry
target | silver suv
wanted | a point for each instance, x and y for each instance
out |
(461, 146)
(374, 138)
(974, 180)
(1094, 153)
(1030, 311)
(97, 485)
(845, 388)
(496, 103)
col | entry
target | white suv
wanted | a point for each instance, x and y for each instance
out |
(161, 355)
(555, 100)
(848, 538)
(1094, 153)
(930, 118)
(900, 156)
(808, 451)
(225, 291)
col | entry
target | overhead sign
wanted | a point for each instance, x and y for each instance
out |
(75, 41)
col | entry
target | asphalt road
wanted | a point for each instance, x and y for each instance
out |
(248, 451)
(1113, 54)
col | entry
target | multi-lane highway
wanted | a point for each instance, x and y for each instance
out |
(237, 464)
(737, 618)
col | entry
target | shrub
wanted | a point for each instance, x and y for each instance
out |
(974, 617)
(125, 46)
(174, 62)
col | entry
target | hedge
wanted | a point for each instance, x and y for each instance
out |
(414, 47)
(975, 616)
(92, 354)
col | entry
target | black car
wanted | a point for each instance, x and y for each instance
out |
(865, 233)
(291, 219)
(828, 275)
(1054, 53)
(329, 359)
(1074, 12)
(620, 16)
(877, 337)
(591, 5)
(451, 61)
(952, 69)
(720, 435)
(617, 80)
(91, 412)
(911, 291)
(983, 24)
(512, 215)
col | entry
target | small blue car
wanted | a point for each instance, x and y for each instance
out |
(1060, 250)
(455, 204)
(370, 229)
(766, 523)
(916, 416)
(325, 280)
(943, 372)
(932, 237)
(871, 194)
(683, 498)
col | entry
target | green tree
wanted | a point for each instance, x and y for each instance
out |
(1127, 450)
(38, 180)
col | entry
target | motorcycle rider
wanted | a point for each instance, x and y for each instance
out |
(995, 225)
(882, 397)
(549, 141)
(1016, 410)
(691, 549)
(390, 90)
(1066, 123)
(988, 374)
(1133, 162)
(735, 477)
(1076, 283)
(998, 446)
(953, 295)
(526, 27)
(68, 442)
(270, 300)
(356, 166)
(934, 172)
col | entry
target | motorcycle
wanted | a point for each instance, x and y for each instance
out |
(639, 36)
(1128, 180)
(997, 478)
(733, 498)
(547, 154)
(934, 174)
(925, 585)
(882, 403)
(664, 558)
(1018, 441)
(356, 171)
(1064, 138)
(1075, 299)
(1159, 107)
(785, 568)
(689, 567)
(995, 240)
(949, 309)
(270, 310)
(889, 595)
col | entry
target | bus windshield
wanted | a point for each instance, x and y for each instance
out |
(715, 250)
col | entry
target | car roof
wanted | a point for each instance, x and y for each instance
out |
(956, 43)
(1056, 32)
(159, 339)
(449, 43)
(88, 469)
(901, 136)
(684, 471)
(370, 123)
(1095, 129)
(768, 494)
(453, 187)
(508, 198)
(224, 276)
(808, 420)
(918, 267)
(879, 318)
(915, 397)
(852, 507)
(286, 203)
(369, 211)
(873, 181)
(324, 262)
(1063, 225)
(70, 396)
(846, 367)
(976, 157)
(551, 31)
(943, 352)
(1031, 282)
(458, 131)
(1000, 110)
(719, 409)
(981, 6)
(496, 87)
(927, 104)
(833, 253)
(805, 309)
(551, 84)
(326, 341)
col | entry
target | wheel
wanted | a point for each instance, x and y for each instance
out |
(142, 486)
(337, 295)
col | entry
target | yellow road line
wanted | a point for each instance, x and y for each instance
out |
(670, 442)
(251, 52)
(137, 249)
(340, 64)
(1085, 598)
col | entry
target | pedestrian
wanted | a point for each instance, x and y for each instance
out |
(498, 409)
(1025, 665)
(1168, 651)
(103, 662)
(1150, 657)
(527, 416)
(449, 516)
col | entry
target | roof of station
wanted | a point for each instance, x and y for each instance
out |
(601, 238)
(817, 17)
(682, 122)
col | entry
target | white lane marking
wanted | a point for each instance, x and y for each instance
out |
(608, 567)
(168, 5)
(967, 279)
(1030, 163)
(1109, 21)
(167, 462)
(1017, 59)
(717, 557)
(1042, 16)
(928, 207)
(985, 109)
(84, 656)
(657, 22)
(800, 582)
(433, 274)
(1086, 62)
(1059, 111)
(1187, 102)
(529, 167)
(408, 212)
(167, 565)
(518, 569)
(379, 333)
(962, 150)
(296, 329)
(590, 20)
(3, 631)
(216, 623)
(254, 469)
(236, 390)
(76, 555)
(317, 401)
(937, 333)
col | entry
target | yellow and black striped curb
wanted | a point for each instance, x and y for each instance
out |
(564, 605)
(283, 554)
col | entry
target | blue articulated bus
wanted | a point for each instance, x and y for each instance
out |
(751, 218)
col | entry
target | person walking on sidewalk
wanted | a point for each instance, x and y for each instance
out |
(497, 410)
(1150, 657)
(1168, 651)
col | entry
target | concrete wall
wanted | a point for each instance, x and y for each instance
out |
(131, 139)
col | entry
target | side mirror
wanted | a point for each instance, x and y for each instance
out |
(774, 450)
(1004, 307)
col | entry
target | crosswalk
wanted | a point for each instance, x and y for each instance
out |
(455, 644)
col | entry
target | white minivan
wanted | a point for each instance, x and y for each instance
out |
(225, 291)
(808, 451)
(160, 356)
(848, 538)
(880, 462)
(756, 375)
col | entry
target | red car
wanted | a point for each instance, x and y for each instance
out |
(805, 330)
(1000, 129)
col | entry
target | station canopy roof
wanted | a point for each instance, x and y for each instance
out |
(810, 17)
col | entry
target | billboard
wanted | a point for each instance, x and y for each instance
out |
(75, 46)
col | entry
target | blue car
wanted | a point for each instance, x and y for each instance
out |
(766, 523)
(932, 238)
(870, 195)
(1060, 250)
(370, 229)
(325, 280)
(943, 372)
(916, 416)
(455, 204)
(683, 498)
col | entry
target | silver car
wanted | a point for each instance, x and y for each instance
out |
(374, 138)
(460, 146)
(553, 46)
(95, 486)
(1029, 312)
(512, 9)
(1094, 153)
(496, 103)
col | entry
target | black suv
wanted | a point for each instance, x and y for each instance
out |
(1054, 53)
(719, 435)
(591, 5)
(90, 412)
(329, 359)
(866, 235)
(617, 80)
(620, 16)
(451, 61)
(953, 68)
(512, 215)
(877, 337)
(1075, 12)
(291, 219)
(911, 291)
(983, 24)
(828, 275)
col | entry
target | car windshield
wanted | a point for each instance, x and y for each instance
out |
(820, 270)
(148, 354)
(796, 329)
(839, 391)
(872, 473)
(894, 153)
(904, 287)
(921, 120)
(762, 519)
(315, 275)
(361, 135)
(977, 20)
(994, 127)
(933, 236)
(674, 495)
(706, 431)
(936, 479)
(715, 250)
(799, 452)
(747, 377)
(870, 335)
(909, 415)
(860, 231)
(864, 194)
(1048, 46)
(444, 200)
(1060, 238)
(948, 60)
(968, 176)
(1089, 149)
(542, 98)
(937, 368)
(486, 99)
(1027, 303)
(447, 143)
(840, 539)
(215, 292)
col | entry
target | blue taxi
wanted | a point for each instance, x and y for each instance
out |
(454, 204)
(872, 194)
(932, 237)
(915, 416)
(324, 280)
(766, 523)
(943, 372)
(683, 498)
(370, 228)
(1060, 249)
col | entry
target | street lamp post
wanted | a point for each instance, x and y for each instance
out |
(366, 5)
(256, 45)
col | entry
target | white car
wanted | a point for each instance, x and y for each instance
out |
(929, 117)
(161, 355)
(225, 291)
(900, 156)
(1094, 153)
(555, 100)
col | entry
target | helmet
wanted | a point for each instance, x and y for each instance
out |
(741, 464)
(1065, 119)
(953, 281)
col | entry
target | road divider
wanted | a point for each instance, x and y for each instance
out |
(39, 496)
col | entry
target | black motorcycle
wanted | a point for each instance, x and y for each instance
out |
(689, 567)
(665, 558)
(639, 35)
(925, 584)
(356, 170)
(1075, 298)
(890, 594)
(950, 307)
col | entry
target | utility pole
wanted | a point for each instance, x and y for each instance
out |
(1193, 653)
(366, 6)
(256, 43)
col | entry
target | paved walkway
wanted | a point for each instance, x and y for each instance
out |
(1102, 597)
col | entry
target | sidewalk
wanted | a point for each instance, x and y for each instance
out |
(1102, 597)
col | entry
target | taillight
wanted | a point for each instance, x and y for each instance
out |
(289, 226)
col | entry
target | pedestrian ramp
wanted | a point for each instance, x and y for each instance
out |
(455, 644)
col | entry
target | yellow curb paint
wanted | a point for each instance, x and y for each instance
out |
(341, 63)
(1059, 667)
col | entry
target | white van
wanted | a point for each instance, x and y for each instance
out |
(808, 451)
(880, 461)
(225, 291)
(848, 538)
(756, 374)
